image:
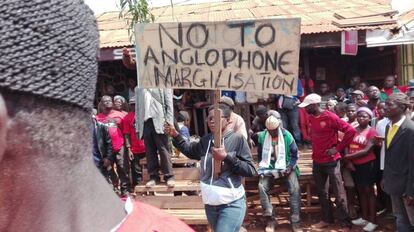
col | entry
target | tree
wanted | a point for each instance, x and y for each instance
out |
(135, 11)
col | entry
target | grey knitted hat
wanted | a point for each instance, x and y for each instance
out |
(49, 48)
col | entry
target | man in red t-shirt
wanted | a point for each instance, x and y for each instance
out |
(113, 119)
(325, 126)
(390, 88)
(134, 146)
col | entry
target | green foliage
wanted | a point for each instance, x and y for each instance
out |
(135, 11)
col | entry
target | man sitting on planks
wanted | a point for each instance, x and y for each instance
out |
(224, 197)
(279, 154)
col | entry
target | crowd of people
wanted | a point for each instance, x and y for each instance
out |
(354, 135)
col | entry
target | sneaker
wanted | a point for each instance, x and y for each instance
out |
(270, 227)
(381, 211)
(360, 222)
(370, 227)
(320, 225)
(150, 183)
(171, 183)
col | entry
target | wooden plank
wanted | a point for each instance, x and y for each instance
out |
(180, 185)
(182, 159)
(181, 174)
(173, 202)
(191, 217)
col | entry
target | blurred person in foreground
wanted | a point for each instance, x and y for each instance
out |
(49, 182)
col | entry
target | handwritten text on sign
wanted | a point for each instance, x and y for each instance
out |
(258, 55)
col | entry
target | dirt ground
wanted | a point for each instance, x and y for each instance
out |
(386, 224)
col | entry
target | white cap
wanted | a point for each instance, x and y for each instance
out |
(272, 123)
(312, 98)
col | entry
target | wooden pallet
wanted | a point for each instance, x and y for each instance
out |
(179, 174)
(180, 185)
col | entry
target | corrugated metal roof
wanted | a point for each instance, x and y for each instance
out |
(316, 15)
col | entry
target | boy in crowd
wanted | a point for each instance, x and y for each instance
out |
(340, 110)
(340, 96)
(135, 147)
(183, 121)
(351, 114)
(279, 160)
(326, 150)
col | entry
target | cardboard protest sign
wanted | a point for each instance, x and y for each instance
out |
(252, 55)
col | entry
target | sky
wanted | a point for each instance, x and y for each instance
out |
(101, 6)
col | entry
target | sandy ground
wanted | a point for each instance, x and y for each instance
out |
(386, 224)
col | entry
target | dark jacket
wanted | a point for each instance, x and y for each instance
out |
(399, 161)
(238, 163)
(102, 144)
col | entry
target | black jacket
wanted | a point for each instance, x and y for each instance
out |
(102, 143)
(399, 161)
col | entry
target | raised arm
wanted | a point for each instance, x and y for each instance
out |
(193, 150)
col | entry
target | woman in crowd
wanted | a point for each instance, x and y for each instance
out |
(121, 105)
(360, 153)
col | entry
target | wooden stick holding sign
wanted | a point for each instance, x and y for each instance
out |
(217, 131)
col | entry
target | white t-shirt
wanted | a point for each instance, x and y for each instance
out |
(381, 127)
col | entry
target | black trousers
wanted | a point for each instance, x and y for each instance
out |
(136, 169)
(321, 173)
(122, 168)
(157, 144)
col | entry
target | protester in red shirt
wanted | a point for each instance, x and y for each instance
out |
(134, 146)
(325, 126)
(113, 119)
(360, 153)
(390, 88)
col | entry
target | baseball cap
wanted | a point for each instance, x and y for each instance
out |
(312, 98)
(226, 100)
(358, 92)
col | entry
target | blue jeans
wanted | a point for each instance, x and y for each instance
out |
(404, 214)
(265, 185)
(290, 119)
(226, 217)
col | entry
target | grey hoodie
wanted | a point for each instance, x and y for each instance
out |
(238, 163)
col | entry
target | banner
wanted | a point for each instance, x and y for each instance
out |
(252, 56)
(349, 43)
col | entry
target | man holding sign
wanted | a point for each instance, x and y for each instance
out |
(224, 197)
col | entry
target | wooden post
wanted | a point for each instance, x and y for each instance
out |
(217, 131)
